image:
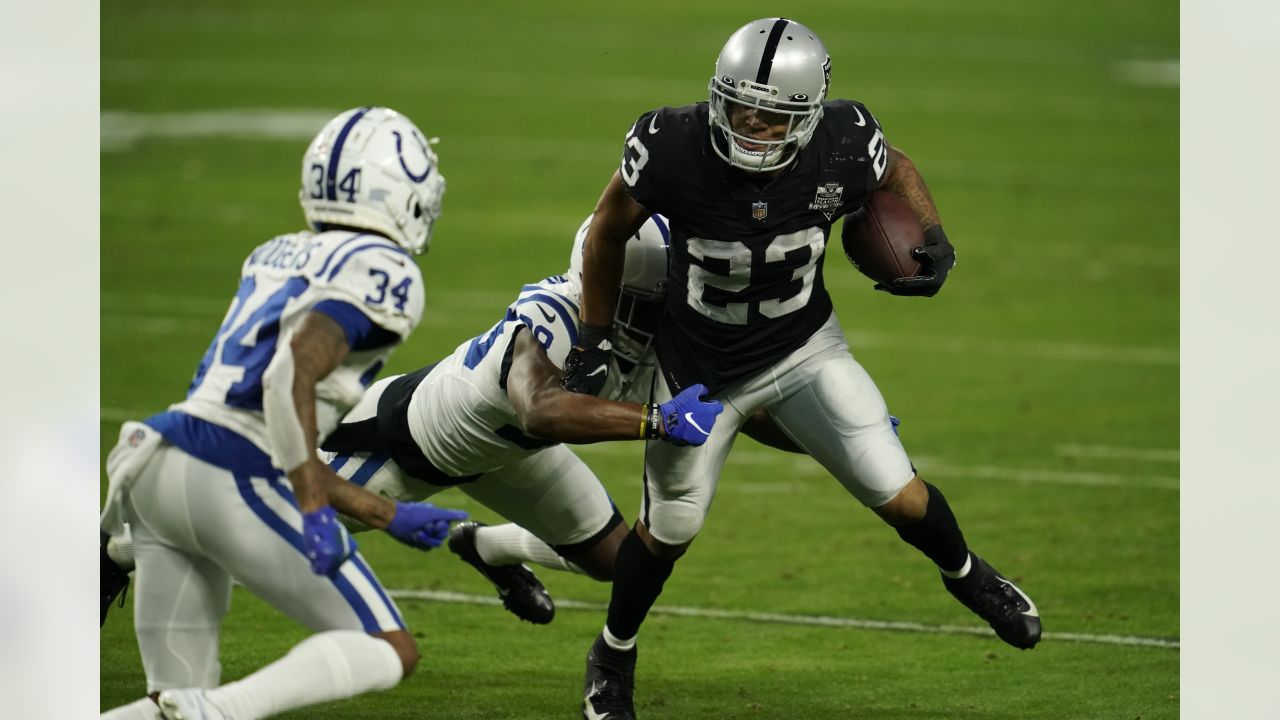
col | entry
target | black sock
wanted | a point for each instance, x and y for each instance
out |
(937, 534)
(638, 576)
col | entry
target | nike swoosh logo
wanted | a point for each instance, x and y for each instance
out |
(550, 318)
(861, 121)
(589, 711)
(599, 370)
(1033, 612)
(688, 417)
(653, 125)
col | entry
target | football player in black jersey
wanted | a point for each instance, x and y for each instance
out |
(751, 182)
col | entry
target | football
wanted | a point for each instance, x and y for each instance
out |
(878, 238)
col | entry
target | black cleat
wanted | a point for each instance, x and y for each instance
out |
(610, 683)
(521, 592)
(998, 601)
(112, 581)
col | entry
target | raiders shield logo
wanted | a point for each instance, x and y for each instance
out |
(759, 210)
(828, 198)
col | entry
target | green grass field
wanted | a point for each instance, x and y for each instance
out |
(1040, 391)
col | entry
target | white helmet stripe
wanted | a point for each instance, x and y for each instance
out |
(331, 179)
(770, 48)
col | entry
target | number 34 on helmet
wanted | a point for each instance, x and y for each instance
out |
(372, 168)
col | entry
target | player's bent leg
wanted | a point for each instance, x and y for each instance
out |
(522, 594)
(561, 510)
(328, 666)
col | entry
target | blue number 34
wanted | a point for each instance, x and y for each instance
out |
(399, 292)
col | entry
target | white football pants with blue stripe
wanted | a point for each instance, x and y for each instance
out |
(195, 528)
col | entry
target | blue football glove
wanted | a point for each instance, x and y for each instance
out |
(687, 419)
(422, 525)
(587, 365)
(327, 542)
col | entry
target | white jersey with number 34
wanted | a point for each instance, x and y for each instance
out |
(280, 282)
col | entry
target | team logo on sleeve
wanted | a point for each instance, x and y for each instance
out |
(760, 210)
(828, 198)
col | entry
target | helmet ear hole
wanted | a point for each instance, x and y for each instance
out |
(417, 210)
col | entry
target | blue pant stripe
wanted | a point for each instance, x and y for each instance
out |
(371, 465)
(365, 570)
(294, 538)
(338, 462)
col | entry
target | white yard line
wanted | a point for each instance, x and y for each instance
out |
(786, 619)
(121, 130)
(1151, 73)
(1108, 452)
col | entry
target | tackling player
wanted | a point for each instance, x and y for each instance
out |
(752, 181)
(226, 484)
(491, 419)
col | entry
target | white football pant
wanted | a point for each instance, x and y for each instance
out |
(820, 397)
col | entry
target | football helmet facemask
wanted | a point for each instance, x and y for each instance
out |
(372, 168)
(766, 96)
(643, 288)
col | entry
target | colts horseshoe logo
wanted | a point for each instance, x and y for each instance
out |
(417, 178)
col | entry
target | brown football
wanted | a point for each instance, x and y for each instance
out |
(878, 238)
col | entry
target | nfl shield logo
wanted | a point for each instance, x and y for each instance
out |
(759, 210)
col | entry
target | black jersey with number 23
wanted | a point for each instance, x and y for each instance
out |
(746, 251)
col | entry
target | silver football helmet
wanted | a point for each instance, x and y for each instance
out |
(643, 288)
(766, 96)
(372, 168)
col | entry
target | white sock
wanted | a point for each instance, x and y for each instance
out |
(615, 643)
(120, 549)
(328, 666)
(511, 544)
(957, 574)
(143, 709)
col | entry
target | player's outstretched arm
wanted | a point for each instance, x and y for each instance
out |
(548, 411)
(617, 217)
(289, 404)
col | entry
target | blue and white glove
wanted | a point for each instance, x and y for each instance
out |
(422, 525)
(686, 418)
(327, 542)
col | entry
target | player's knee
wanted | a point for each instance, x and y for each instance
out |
(908, 506)
(406, 649)
(666, 549)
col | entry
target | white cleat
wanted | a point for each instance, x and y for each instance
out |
(189, 704)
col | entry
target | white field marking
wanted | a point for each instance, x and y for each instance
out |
(1153, 73)
(802, 465)
(121, 130)
(1109, 452)
(786, 619)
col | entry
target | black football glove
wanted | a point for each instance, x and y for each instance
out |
(936, 258)
(587, 365)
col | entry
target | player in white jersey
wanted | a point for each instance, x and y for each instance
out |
(491, 417)
(471, 420)
(226, 484)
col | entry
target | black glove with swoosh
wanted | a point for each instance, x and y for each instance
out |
(587, 366)
(936, 258)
